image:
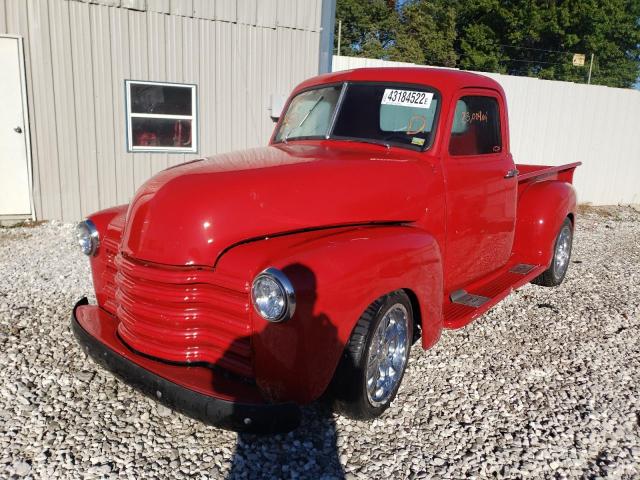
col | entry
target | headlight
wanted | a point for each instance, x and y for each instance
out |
(273, 296)
(88, 238)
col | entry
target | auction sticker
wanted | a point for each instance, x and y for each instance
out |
(407, 98)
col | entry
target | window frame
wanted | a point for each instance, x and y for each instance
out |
(345, 85)
(477, 92)
(161, 149)
(285, 109)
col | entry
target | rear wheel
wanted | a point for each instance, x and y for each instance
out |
(556, 272)
(374, 360)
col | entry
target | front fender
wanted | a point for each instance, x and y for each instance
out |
(336, 274)
(109, 223)
(542, 208)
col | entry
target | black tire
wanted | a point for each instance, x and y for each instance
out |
(553, 276)
(349, 385)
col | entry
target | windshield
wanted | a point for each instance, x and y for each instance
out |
(309, 114)
(386, 114)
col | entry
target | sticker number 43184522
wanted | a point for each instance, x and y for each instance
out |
(407, 98)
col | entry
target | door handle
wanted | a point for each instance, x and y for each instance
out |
(17, 130)
(511, 173)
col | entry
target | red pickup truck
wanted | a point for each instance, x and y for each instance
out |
(386, 208)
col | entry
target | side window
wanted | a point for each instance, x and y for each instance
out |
(476, 126)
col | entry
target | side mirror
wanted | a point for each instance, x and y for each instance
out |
(277, 105)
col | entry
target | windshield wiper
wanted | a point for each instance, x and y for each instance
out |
(366, 140)
(286, 135)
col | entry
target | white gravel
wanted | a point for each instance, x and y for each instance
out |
(546, 385)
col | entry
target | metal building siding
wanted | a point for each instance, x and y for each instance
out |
(247, 11)
(87, 169)
(78, 54)
(267, 80)
(3, 17)
(226, 10)
(182, 7)
(160, 6)
(204, 9)
(286, 11)
(104, 93)
(224, 88)
(267, 13)
(239, 80)
(158, 42)
(139, 70)
(120, 70)
(133, 4)
(191, 65)
(65, 112)
(43, 99)
(207, 86)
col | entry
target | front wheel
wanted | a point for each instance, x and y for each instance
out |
(556, 272)
(375, 358)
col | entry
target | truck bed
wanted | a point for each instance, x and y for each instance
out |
(527, 173)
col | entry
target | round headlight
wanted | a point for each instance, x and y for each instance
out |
(88, 238)
(273, 296)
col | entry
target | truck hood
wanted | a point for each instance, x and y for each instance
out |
(192, 213)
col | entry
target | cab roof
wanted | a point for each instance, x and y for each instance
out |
(445, 80)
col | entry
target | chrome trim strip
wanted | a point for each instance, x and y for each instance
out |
(334, 115)
(287, 287)
(94, 235)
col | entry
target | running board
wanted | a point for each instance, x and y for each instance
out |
(522, 268)
(463, 298)
(463, 306)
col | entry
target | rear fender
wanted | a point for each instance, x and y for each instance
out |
(542, 208)
(336, 274)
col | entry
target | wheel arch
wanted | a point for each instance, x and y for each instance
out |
(337, 274)
(542, 208)
(417, 312)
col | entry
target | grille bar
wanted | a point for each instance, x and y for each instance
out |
(179, 314)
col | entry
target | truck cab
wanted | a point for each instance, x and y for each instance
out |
(386, 208)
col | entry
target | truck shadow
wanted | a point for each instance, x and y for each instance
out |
(311, 450)
(308, 452)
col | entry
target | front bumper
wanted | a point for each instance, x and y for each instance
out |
(197, 391)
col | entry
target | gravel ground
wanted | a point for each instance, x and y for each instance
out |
(546, 385)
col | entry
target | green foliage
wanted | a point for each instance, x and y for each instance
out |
(369, 28)
(427, 33)
(519, 37)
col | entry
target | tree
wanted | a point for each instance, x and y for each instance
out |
(369, 28)
(427, 33)
(519, 37)
(538, 38)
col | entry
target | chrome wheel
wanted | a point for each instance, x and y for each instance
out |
(563, 252)
(387, 356)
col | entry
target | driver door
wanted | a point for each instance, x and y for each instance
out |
(481, 188)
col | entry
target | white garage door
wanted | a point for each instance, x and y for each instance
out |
(14, 158)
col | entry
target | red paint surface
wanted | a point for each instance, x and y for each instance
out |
(346, 221)
(200, 379)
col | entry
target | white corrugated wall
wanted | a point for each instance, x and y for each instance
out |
(552, 123)
(78, 54)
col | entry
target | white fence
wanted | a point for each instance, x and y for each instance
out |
(552, 123)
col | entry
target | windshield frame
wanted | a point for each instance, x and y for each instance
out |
(334, 116)
(284, 139)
